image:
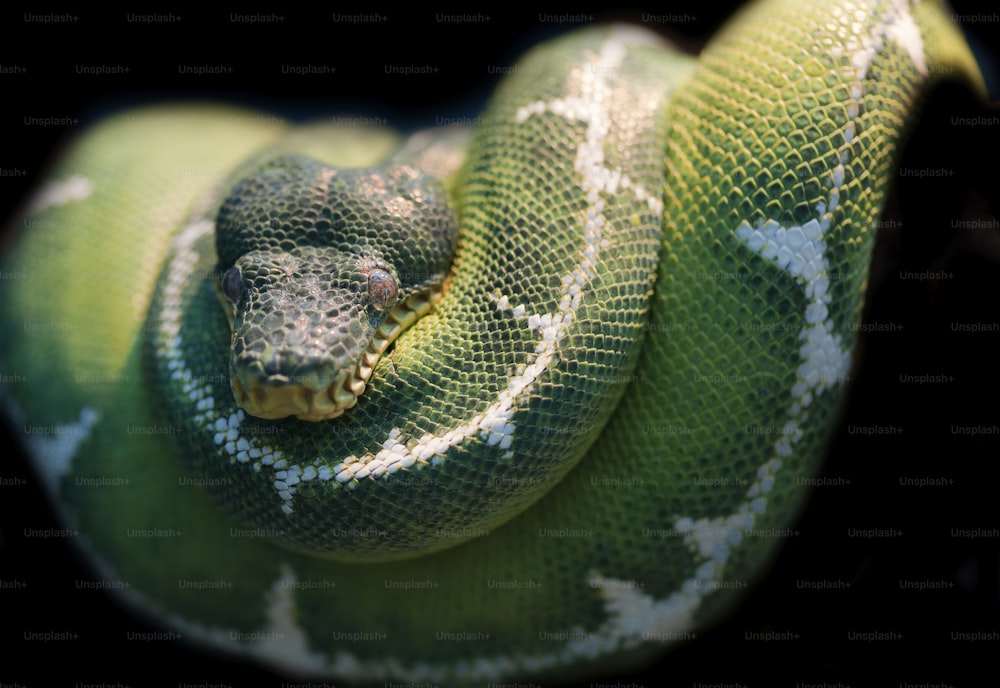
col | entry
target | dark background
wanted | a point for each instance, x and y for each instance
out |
(921, 311)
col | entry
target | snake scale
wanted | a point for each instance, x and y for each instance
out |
(642, 343)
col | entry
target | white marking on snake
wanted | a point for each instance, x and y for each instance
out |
(896, 24)
(281, 641)
(224, 421)
(800, 251)
(633, 617)
(55, 454)
(56, 193)
(593, 106)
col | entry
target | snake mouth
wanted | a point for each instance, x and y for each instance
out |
(274, 401)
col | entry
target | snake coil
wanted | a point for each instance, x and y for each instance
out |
(637, 350)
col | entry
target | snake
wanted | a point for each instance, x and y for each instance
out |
(519, 402)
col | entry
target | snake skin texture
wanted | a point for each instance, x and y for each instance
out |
(641, 347)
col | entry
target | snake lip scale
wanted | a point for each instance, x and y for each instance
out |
(568, 441)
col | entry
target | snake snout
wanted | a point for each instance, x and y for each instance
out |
(311, 368)
(313, 403)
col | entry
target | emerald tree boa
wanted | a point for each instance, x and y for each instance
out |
(619, 598)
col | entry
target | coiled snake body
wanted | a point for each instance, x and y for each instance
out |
(640, 345)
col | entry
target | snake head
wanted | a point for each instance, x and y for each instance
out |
(321, 269)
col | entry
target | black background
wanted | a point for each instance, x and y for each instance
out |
(465, 54)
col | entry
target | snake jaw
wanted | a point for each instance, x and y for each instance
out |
(273, 401)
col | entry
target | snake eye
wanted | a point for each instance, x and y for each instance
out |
(382, 289)
(232, 284)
